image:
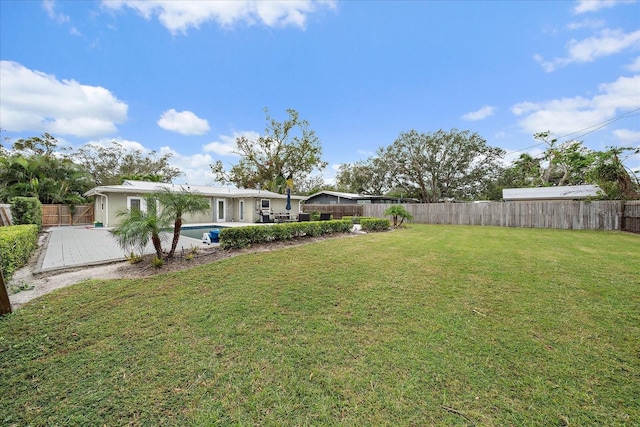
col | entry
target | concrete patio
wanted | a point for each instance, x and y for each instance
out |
(72, 247)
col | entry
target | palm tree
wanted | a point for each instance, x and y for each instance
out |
(175, 204)
(397, 211)
(138, 226)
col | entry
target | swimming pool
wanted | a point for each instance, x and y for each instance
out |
(197, 231)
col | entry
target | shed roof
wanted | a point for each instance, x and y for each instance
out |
(569, 192)
(355, 196)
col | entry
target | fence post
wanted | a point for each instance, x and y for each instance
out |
(5, 304)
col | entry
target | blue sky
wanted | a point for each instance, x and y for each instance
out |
(188, 77)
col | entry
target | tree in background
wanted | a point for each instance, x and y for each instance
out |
(566, 163)
(570, 163)
(442, 165)
(371, 176)
(288, 148)
(174, 205)
(615, 180)
(113, 164)
(311, 185)
(36, 168)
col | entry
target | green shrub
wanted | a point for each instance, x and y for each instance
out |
(17, 243)
(26, 210)
(375, 224)
(157, 262)
(356, 219)
(241, 237)
(133, 258)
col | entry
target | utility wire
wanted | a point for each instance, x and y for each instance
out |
(590, 129)
(600, 125)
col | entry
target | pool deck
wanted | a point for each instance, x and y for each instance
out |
(82, 246)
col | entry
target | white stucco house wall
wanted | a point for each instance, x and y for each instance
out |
(227, 204)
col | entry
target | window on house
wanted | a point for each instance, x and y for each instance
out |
(135, 205)
(266, 204)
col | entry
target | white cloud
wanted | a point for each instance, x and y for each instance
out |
(179, 16)
(481, 114)
(568, 115)
(634, 66)
(627, 137)
(584, 6)
(35, 101)
(184, 122)
(227, 144)
(587, 23)
(195, 168)
(50, 7)
(127, 145)
(365, 153)
(607, 42)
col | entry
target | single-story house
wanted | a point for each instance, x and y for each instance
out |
(338, 198)
(227, 204)
(566, 192)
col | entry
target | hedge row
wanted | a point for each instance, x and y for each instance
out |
(241, 237)
(375, 224)
(356, 219)
(26, 210)
(17, 243)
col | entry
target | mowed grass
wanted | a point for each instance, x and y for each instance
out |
(428, 325)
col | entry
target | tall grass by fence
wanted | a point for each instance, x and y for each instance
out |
(579, 215)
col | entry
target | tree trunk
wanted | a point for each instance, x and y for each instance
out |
(157, 244)
(5, 304)
(176, 236)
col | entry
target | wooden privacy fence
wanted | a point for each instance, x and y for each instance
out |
(579, 215)
(56, 215)
(337, 211)
(5, 215)
(631, 219)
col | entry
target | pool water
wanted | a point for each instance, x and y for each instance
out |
(197, 232)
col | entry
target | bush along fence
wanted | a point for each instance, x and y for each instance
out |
(579, 215)
(242, 237)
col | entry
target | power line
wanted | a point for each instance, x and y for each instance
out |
(590, 129)
(601, 124)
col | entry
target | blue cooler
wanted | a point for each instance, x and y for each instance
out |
(214, 235)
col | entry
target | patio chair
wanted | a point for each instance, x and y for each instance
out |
(266, 219)
(304, 217)
(325, 216)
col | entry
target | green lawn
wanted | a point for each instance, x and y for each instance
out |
(428, 325)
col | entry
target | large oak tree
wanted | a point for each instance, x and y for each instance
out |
(442, 165)
(287, 149)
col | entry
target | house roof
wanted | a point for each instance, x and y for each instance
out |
(570, 192)
(131, 186)
(351, 196)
